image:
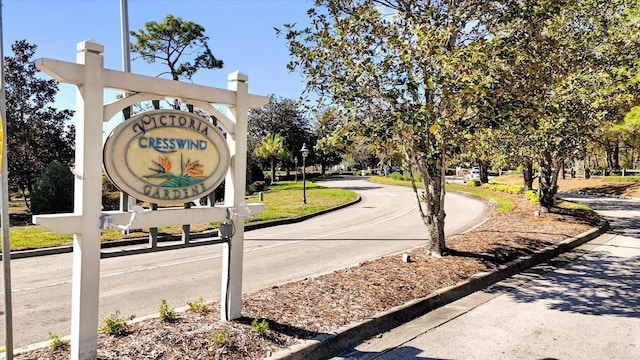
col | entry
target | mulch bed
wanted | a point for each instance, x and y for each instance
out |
(319, 305)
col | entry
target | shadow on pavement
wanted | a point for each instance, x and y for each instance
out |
(600, 203)
(596, 284)
(401, 353)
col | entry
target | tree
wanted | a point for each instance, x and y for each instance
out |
(37, 133)
(272, 148)
(328, 148)
(569, 64)
(181, 45)
(422, 62)
(53, 192)
(284, 117)
(171, 41)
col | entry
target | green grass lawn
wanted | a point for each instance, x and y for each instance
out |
(282, 199)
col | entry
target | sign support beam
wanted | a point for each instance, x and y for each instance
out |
(85, 283)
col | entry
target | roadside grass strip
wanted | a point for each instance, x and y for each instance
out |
(282, 199)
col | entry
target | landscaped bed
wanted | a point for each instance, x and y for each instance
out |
(304, 309)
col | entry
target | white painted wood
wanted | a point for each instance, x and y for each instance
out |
(66, 72)
(62, 71)
(227, 125)
(60, 223)
(231, 300)
(111, 109)
(72, 223)
(85, 282)
(90, 77)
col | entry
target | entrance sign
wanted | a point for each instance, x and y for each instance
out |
(191, 166)
(166, 156)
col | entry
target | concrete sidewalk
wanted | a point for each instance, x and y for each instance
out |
(582, 304)
(392, 325)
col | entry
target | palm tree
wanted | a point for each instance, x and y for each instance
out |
(271, 148)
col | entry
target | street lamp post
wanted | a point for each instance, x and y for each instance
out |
(295, 162)
(304, 151)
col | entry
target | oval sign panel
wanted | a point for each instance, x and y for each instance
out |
(166, 156)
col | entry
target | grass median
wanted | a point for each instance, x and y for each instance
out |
(282, 199)
(503, 203)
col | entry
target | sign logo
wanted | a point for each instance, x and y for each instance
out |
(166, 156)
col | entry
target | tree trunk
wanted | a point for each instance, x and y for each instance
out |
(432, 215)
(527, 174)
(24, 197)
(273, 169)
(484, 171)
(549, 170)
(613, 156)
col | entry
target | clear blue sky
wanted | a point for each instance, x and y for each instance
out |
(241, 34)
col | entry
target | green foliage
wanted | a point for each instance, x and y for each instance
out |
(396, 176)
(251, 190)
(473, 183)
(167, 314)
(411, 83)
(330, 146)
(260, 326)
(272, 148)
(284, 199)
(170, 41)
(55, 342)
(36, 132)
(198, 305)
(532, 196)
(286, 118)
(633, 116)
(220, 337)
(503, 203)
(510, 189)
(115, 325)
(53, 192)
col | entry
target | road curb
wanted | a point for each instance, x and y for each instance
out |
(21, 254)
(328, 345)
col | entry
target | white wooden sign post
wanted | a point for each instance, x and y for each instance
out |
(85, 223)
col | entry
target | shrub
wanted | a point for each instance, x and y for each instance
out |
(53, 192)
(260, 326)
(506, 188)
(254, 172)
(198, 305)
(473, 183)
(167, 314)
(532, 195)
(396, 176)
(259, 185)
(55, 342)
(115, 325)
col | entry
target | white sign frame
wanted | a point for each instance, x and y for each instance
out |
(91, 78)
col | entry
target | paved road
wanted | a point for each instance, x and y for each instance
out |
(584, 305)
(385, 222)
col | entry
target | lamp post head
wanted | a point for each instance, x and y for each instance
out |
(304, 151)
